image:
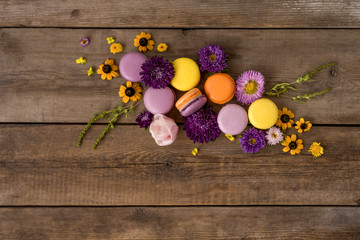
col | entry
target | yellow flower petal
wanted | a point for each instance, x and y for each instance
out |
(299, 141)
(287, 139)
(150, 47)
(125, 99)
(195, 151)
(286, 149)
(292, 152)
(108, 76)
(103, 76)
(99, 71)
(138, 96)
(114, 74)
(133, 98)
(302, 120)
(142, 34)
(230, 137)
(128, 84)
(151, 42)
(293, 137)
(147, 36)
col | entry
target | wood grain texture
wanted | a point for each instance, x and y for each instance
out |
(181, 223)
(40, 165)
(41, 83)
(181, 14)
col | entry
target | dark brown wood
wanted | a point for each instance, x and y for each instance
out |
(41, 165)
(181, 223)
(40, 81)
(182, 14)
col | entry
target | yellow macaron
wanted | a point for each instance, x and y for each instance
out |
(263, 113)
(187, 74)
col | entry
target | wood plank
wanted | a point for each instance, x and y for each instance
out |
(181, 223)
(41, 83)
(182, 14)
(40, 165)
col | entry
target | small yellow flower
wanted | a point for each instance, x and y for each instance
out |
(116, 48)
(303, 126)
(110, 40)
(90, 71)
(292, 145)
(132, 91)
(143, 42)
(162, 47)
(285, 118)
(195, 151)
(230, 137)
(81, 60)
(108, 70)
(316, 149)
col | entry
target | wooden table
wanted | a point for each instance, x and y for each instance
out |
(129, 188)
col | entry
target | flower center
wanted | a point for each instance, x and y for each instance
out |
(303, 126)
(285, 118)
(251, 87)
(143, 42)
(129, 92)
(274, 135)
(212, 58)
(83, 41)
(292, 145)
(315, 149)
(252, 141)
(106, 68)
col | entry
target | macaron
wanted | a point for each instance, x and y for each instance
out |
(232, 119)
(159, 101)
(190, 102)
(220, 88)
(263, 113)
(130, 66)
(187, 74)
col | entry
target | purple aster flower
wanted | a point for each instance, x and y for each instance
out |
(249, 87)
(274, 136)
(252, 140)
(144, 119)
(202, 126)
(212, 58)
(84, 42)
(157, 72)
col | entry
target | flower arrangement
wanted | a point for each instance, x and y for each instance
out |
(202, 124)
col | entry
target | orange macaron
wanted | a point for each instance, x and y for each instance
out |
(220, 88)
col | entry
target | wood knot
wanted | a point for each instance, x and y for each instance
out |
(75, 13)
(168, 164)
(139, 212)
(334, 72)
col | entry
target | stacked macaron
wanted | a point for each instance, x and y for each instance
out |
(190, 102)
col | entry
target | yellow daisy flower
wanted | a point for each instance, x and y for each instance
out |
(292, 145)
(162, 47)
(143, 42)
(285, 118)
(116, 48)
(303, 126)
(110, 40)
(81, 60)
(108, 70)
(132, 91)
(316, 149)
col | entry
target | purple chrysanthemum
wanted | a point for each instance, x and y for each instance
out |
(274, 136)
(202, 126)
(144, 119)
(252, 140)
(157, 72)
(212, 58)
(84, 42)
(249, 87)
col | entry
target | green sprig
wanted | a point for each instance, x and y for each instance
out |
(307, 96)
(115, 114)
(282, 88)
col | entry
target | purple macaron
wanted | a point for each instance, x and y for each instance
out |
(130, 66)
(159, 101)
(190, 102)
(232, 119)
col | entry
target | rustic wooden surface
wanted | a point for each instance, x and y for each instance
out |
(129, 188)
(181, 223)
